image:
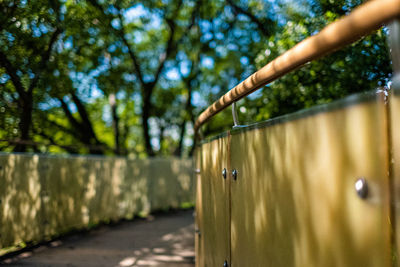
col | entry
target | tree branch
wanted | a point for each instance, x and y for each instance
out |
(77, 125)
(45, 59)
(6, 18)
(60, 127)
(121, 34)
(261, 26)
(170, 46)
(12, 72)
(86, 123)
(53, 142)
(131, 52)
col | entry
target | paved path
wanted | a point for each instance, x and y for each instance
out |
(163, 240)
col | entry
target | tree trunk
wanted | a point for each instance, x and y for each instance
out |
(115, 123)
(188, 114)
(145, 121)
(161, 137)
(84, 128)
(25, 121)
(179, 149)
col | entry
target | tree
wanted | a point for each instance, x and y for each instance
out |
(29, 32)
(362, 66)
(129, 78)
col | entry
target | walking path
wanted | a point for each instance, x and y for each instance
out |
(163, 240)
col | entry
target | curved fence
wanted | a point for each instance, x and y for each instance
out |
(320, 187)
(42, 196)
(288, 197)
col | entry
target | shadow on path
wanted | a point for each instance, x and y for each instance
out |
(162, 240)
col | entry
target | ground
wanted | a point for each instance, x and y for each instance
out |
(161, 240)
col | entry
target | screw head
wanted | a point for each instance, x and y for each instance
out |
(224, 173)
(234, 174)
(226, 264)
(361, 187)
(197, 231)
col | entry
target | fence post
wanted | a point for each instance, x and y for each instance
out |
(394, 130)
(394, 45)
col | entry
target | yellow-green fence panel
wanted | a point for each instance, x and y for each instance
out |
(395, 163)
(21, 215)
(198, 241)
(166, 193)
(44, 196)
(212, 206)
(294, 201)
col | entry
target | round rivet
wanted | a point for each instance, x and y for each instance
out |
(224, 173)
(361, 187)
(226, 264)
(234, 174)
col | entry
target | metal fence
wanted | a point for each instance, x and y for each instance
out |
(45, 196)
(284, 192)
(320, 187)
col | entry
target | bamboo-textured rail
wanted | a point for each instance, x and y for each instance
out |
(363, 20)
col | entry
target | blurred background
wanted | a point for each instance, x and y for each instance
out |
(130, 77)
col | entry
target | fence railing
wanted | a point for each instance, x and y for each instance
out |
(363, 20)
(308, 189)
(319, 187)
(45, 196)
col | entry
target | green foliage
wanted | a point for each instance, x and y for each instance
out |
(129, 78)
(363, 66)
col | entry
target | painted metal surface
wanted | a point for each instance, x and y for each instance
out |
(212, 205)
(395, 182)
(394, 134)
(44, 196)
(294, 201)
(198, 241)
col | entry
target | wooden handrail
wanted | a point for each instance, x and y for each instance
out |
(363, 20)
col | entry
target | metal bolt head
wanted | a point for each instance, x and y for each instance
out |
(361, 187)
(234, 174)
(197, 231)
(224, 173)
(226, 264)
